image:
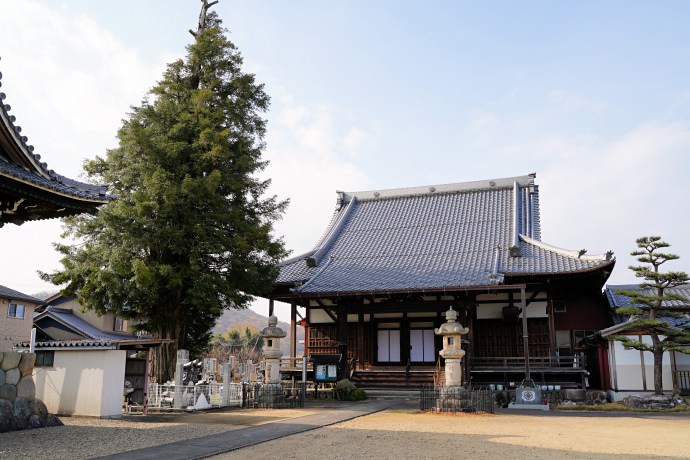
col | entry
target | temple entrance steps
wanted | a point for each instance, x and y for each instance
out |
(393, 379)
(402, 394)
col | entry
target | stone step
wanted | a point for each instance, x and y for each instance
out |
(393, 394)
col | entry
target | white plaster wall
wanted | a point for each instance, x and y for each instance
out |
(317, 316)
(682, 361)
(114, 362)
(78, 380)
(421, 314)
(667, 377)
(628, 368)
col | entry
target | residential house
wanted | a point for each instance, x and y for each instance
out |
(16, 317)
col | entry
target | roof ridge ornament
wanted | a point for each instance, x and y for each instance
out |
(575, 254)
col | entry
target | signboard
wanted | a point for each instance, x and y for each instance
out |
(326, 372)
(214, 399)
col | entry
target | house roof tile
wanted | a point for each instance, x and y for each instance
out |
(11, 294)
(69, 319)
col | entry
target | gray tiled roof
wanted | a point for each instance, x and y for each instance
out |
(55, 185)
(620, 301)
(433, 237)
(11, 294)
(66, 317)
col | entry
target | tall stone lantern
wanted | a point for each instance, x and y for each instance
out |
(452, 333)
(272, 354)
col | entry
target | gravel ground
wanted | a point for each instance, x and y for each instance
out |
(410, 434)
(86, 437)
(82, 438)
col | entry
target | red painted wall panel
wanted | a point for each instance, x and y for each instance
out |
(583, 313)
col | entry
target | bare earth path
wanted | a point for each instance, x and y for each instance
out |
(409, 434)
(391, 434)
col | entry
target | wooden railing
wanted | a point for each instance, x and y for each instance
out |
(682, 381)
(437, 372)
(536, 363)
(293, 363)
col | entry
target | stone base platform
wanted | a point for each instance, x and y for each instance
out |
(529, 406)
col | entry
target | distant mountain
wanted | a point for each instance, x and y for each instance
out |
(45, 294)
(242, 319)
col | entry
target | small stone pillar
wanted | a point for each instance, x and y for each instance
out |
(452, 333)
(272, 354)
(182, 358)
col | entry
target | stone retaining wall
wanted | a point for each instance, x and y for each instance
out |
(19, 407)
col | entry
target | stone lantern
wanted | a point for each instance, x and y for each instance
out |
(452, 333)
(272, 354)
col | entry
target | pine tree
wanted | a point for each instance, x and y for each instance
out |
(646, 310)
(190, 233)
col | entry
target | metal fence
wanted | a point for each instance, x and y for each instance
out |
(195, 397)
(273, 396)
(445, 399)
(216, 395)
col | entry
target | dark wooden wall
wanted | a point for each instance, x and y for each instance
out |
(494, 338)
(583, 313)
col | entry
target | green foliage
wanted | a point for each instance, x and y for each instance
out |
(646, 307)
(190, 233)
(355, 395)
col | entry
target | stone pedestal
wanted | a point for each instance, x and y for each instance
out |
(453, 370)
(272, 371)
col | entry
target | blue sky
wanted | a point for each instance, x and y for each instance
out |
(593, 96)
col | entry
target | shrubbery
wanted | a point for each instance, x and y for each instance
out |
(355, 395)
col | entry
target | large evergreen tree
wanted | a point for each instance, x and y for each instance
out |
(646, 304)
(191, 230)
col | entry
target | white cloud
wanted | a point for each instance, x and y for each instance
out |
(307, 165)
(70, 82)
(575, 102)
(604, 195)
(353, 141)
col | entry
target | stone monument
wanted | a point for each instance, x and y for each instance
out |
(452, 352)
(272, 354)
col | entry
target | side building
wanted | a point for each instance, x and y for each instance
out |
(16, 317)
(632, 371)
(392, 262)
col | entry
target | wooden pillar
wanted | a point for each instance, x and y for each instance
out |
(373, 344)
(147, 380)
(342, 338)
(469, 354)
(552, 322)
(525, 335)
(360, 340)
(293, 332)
(404, 340)
(270, 307)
